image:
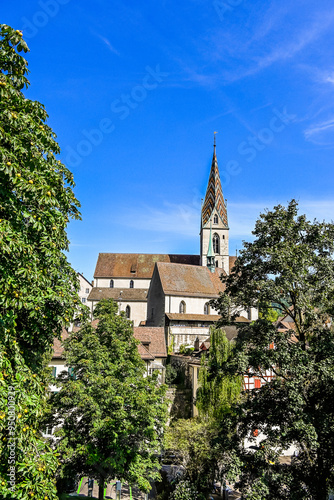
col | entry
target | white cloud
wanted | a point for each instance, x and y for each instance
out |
(321, 133)
(180, 219)
(108, 44)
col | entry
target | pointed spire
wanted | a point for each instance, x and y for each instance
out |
(214, 198)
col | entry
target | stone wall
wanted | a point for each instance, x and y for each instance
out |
(180, 403)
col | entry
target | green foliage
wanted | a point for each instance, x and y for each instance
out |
(269, 313)
(38, 286)
(190, 442)
(36, 202)
(170, 375)
(185, 490)
(218, 388)
(290, 263)
(183, 349)
(111, 416)
(34, 461)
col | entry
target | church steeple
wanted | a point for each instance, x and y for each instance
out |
(214, 198)
(214, 221)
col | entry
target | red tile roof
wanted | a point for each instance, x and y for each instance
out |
(192, 281)
(57, 345)
(153, 338)
(135, 265)
(232, 259)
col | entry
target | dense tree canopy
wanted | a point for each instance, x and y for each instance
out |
(290, 263)
(111, 415)
(37, 284)
(218, 389)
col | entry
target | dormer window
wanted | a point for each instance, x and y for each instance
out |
(131, 283)
(215, 219)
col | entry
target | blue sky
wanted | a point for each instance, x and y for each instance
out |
(134, 91)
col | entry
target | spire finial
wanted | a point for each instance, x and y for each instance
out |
(214, 141)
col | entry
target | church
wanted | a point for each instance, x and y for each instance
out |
(173, 291)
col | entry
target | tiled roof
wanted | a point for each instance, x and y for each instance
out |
(214, 198)
(144, 353)
(128, 294)
(154, 337)
(193, 317)
(242, 319)
(232, 259)
(57, 345)
(192, 281)
(136, 265)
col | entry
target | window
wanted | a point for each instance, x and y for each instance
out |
(111, 284)
(131, 283)
(215, 219)
(215, 241)
(48, 431)
(83, 300)
(87, 290)
(206, 308)
(257, 383)
(54, 371)
(127, 312)
(216, 263)
(182, 307)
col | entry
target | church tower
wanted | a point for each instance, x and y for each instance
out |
(214, 223)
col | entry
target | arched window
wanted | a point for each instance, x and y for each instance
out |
(182, 307)
(215, 242)
(111, 284)
(127, 312)
(215, 219)
(206, 308)
(131, 283)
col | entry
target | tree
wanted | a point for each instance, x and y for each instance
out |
(218, 389)
(290, 263)
(189, 440)
(38, 286)
(111, 416)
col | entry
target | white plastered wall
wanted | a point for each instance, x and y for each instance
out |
(122, 282)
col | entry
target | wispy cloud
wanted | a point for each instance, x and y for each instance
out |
(242, 216)
(321, 133)
(108, 44)
(183, 220)
(179, 219)
(274, 40)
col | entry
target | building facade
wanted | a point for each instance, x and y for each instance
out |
(173, 291)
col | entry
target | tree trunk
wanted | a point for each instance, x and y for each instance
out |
(101, 488)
